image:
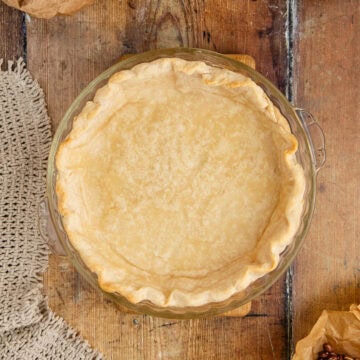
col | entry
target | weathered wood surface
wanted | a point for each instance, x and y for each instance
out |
(120, 335)
(327, 78)
(64, 54)
(11, 33)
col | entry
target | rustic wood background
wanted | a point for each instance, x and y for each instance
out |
(310, 50)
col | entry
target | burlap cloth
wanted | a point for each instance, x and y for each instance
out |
(28, 328)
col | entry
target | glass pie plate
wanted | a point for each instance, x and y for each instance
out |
(310, 154)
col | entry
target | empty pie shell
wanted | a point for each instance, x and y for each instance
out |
(178, 184)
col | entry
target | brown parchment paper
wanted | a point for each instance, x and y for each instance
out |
(48, 8)
(341, 329)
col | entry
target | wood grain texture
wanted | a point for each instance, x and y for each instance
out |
(12, 41)
(327, 78)
(64, 54)
(120, 335)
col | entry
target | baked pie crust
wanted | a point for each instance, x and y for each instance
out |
(179, 184)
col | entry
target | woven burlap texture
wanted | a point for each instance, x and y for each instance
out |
(28, 328)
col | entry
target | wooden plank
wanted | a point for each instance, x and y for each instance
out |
(11, 32)
(120, 335)
(327, 78)
(64, 54)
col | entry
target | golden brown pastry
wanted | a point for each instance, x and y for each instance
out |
(179, 184)
(48, 9)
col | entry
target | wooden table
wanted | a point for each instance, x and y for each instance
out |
(310, 50)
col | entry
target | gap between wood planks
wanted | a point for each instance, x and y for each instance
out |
(290, 31)
(24, 37)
